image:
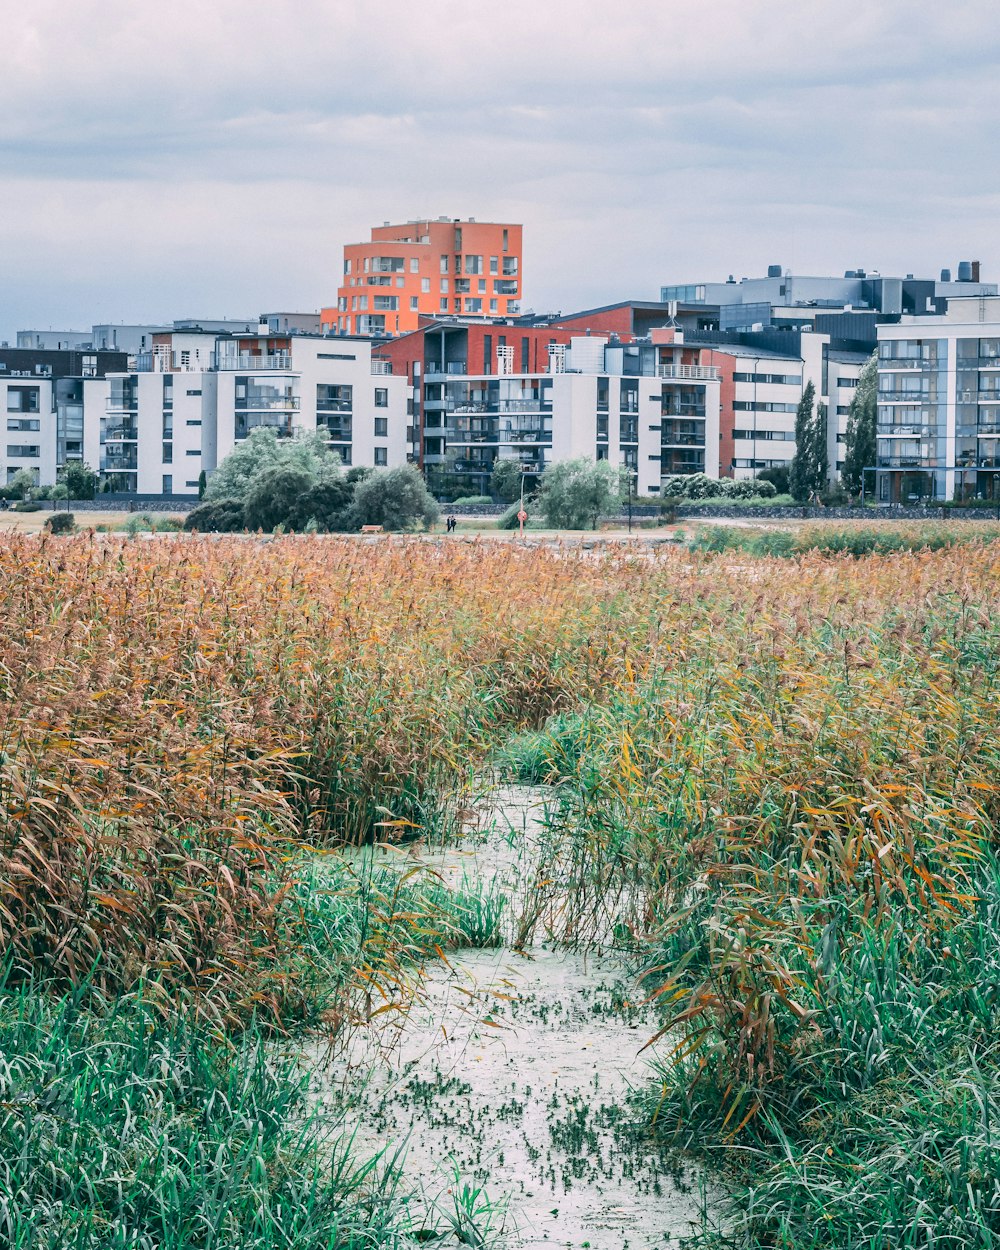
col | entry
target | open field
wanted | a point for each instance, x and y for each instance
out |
(769, 796)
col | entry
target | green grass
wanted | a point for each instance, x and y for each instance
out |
(119, 1128)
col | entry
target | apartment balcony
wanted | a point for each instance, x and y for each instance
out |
(282, 403)
(905, 363)
(119, 464)
(906, 431)
(115, 407)
(245, 422)
(451, 368)
(987, 431)
(381, 368)
(905, 462)
(125, 433)
(682, 440)
(688, 373)
(279, 362)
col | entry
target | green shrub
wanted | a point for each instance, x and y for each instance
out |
(470, 501)
(220, 516)
(168, 524)
(61, 523)
(27, 505)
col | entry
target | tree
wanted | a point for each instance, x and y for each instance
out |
(327, 504)
(202, 484)
(777, 476)
(274, 497)
(576, 493)
(396, 499)
(862, 428)
(505, 480)
(80, 480)
(21, 483)
(807, 474)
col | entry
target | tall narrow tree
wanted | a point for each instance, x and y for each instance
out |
(800, 472)
(862, 428)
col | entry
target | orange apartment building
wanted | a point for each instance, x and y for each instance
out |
(445, 267)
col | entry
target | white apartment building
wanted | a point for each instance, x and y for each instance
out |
(762, 391)
(648, 407)
(195, 395)
(939, 405)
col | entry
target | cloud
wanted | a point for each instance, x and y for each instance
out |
(196, 158)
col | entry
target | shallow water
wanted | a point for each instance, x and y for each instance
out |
(511, 1072)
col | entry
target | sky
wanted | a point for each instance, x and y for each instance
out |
(207, 159)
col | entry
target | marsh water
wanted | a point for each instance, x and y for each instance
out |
(504, 1089)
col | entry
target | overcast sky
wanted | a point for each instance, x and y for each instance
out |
(206, 159)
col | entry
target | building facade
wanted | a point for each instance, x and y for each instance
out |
(427, 269)
(939, 405)
(42, 398)
(151, 424)
(540, 395)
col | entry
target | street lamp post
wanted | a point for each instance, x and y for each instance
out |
(996, 496)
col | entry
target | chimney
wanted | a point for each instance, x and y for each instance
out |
(975, 271)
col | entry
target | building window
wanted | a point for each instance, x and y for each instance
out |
(193, 451)
(473, 264)
(23, 399)
(482, 286)
(414, 264)
(381, 456)
(197, 392)
(194, 483)
(443, 306)
(168, 453)
(493, 306)
(525, 355)
(381, 397)
(414, 303)
(386, 303)
(474, 305)
(444, 264)
(425, 285)
(381, 427)
(185, 359)
(347, 266)
(23, 451)
(494, 264)
(168, 484)
(505, 240)
(23, 424)
(193, 421)
(444, 286)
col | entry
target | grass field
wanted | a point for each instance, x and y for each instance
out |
(776, 782)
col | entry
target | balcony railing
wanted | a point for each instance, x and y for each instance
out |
(254, 364)
(120, 434)
(454, 367)
(381, 368)
(693, 373)
(118, 406)
(259, 403)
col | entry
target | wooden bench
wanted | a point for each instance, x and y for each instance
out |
(371, 529)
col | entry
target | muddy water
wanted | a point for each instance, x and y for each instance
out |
(512, 1073)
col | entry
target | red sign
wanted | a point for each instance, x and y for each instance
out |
(522, 516)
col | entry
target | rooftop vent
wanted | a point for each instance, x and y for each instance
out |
(774, 271)
(965, 271)
(945, 275)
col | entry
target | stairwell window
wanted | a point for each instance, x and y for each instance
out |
(381, 397)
